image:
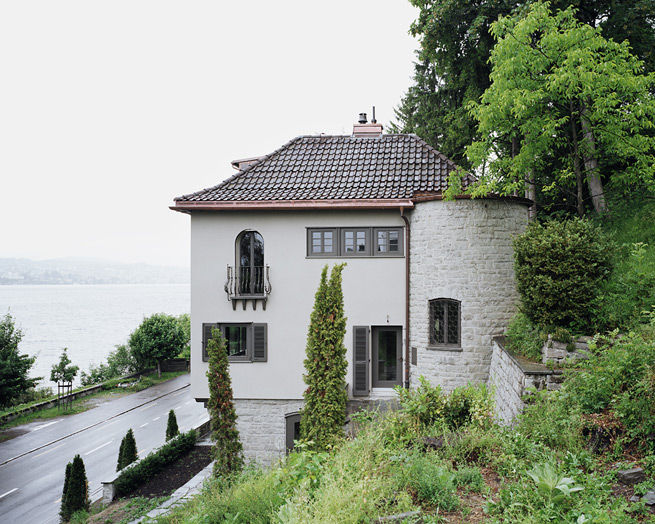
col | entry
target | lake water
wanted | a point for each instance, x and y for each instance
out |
(90, 320)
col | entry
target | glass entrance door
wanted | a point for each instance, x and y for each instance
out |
(387, 356)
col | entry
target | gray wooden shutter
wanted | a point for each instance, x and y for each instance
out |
(360, 361)
(206, 336)
(260, 342)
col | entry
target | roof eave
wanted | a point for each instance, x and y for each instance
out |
(237, 205)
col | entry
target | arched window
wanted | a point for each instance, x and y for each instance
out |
(250, 263)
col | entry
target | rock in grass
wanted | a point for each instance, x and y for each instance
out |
(631, 476)
(649, 498)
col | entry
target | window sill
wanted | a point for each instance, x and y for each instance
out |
(445, 348)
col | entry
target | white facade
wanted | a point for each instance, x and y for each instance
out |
(374, 294)
(460, 250)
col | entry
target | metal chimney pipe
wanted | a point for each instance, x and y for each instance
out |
(373, 120)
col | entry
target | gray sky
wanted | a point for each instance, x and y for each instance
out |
(110, 109)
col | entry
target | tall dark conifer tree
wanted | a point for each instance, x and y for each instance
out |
(324, 412)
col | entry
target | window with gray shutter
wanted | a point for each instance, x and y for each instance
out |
(360, 360)
(243, 342)
(259, 353)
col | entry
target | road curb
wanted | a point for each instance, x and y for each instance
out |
(90, 426)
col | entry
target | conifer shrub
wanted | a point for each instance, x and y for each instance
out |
(127, 452)
(64, 513)
(76, 496)
(559, 267)
(227, 451)
(171, 427)
(324, 412)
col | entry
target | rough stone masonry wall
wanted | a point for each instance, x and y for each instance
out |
(462, 250)
(510, 381)
(261, 426)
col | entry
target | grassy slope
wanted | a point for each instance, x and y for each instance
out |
(542, 470)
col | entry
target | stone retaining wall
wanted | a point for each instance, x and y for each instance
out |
(511, 376)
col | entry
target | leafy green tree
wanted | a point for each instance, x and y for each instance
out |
(452, 67)
(227, 450)
(14, 367)
(157, 338)
(171, 427)
(77, 492)
(324, 412)
(560, 86)
(127, 452)
(64, 370)
(119, 362)
(185, 322)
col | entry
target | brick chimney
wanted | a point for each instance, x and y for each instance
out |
(364, 129)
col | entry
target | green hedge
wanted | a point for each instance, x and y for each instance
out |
(134, 476)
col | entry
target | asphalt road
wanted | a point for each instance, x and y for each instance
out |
(32, 465)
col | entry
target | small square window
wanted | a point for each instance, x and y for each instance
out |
(355, 242)
(320, 242)
(388, 242)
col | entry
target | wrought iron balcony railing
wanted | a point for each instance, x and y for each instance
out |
(248, 283)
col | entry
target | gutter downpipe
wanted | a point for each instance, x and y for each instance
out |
(407, 260)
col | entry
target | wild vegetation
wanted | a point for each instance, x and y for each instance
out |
(444, 455)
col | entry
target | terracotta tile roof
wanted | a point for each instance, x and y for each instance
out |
(336, 168)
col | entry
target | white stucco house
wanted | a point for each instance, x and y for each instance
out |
(428, 282)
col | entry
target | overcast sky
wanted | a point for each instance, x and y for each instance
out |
(110, 109)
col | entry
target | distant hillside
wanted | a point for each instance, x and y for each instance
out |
(87, 271)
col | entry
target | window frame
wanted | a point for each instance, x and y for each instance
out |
(401, 242)
(339, 242)
(355, 230)
(335, 242)
(445, 302)
(250, 341)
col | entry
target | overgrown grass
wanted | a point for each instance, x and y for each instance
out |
(547, 468)
(122, 512)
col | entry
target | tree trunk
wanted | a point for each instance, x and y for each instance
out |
(591, 165)
(530, 192)
(158, 368)
(575, 151)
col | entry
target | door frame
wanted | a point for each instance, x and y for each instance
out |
(375, 382)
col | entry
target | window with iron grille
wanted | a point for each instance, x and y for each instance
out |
(444, 323)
